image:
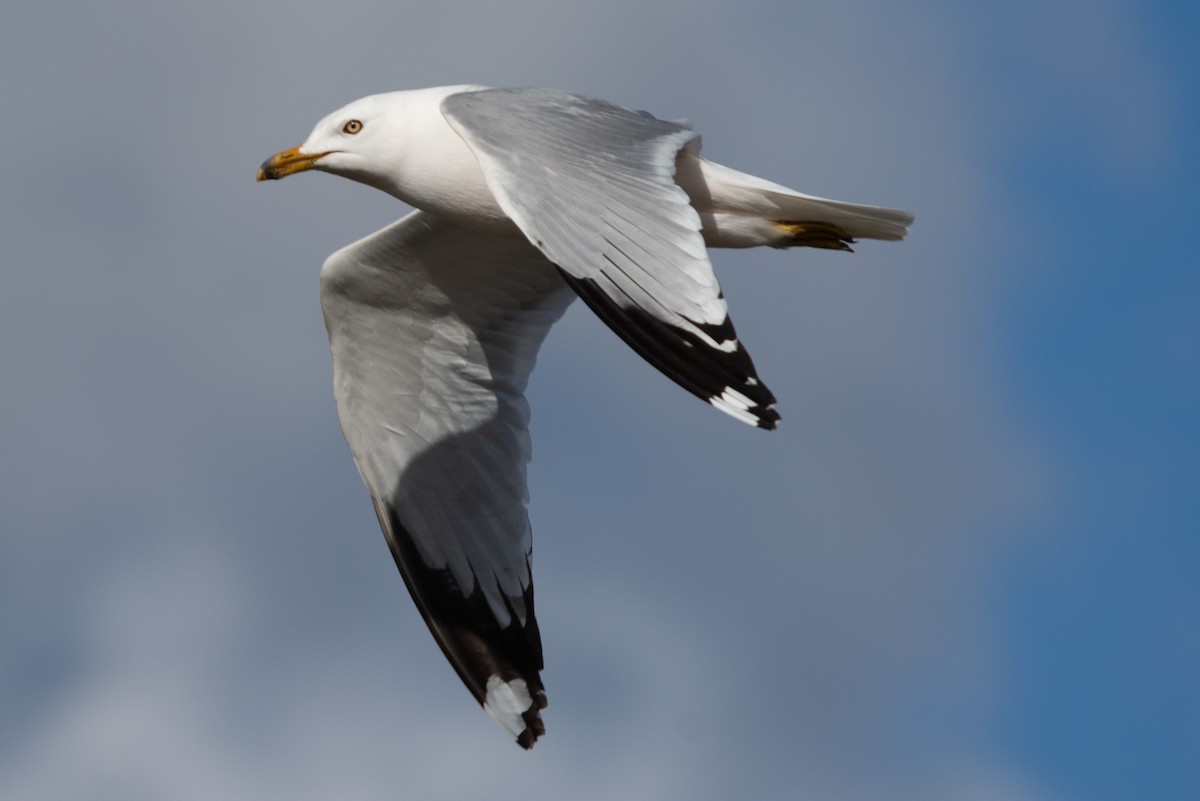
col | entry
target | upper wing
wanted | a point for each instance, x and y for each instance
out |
(591, 184)
(434, 331)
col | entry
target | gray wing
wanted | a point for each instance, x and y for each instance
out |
(592, 186)
(434, 331)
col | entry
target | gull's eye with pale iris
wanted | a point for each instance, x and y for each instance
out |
(352, 127)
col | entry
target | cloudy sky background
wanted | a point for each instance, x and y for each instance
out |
(965, 567)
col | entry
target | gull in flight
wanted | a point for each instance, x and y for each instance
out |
(525, 199)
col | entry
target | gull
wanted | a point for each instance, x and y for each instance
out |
(524, 200)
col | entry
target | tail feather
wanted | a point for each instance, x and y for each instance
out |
(741, 210)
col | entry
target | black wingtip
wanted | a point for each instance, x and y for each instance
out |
(768, 419)
(724, 377)
(482, 652)
(534, 726)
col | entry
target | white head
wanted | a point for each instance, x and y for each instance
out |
(401, 143)
(389, 141)
(358, 141)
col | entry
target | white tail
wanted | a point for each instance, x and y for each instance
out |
(739, 210)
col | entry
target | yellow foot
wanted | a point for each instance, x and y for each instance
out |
(814, 235)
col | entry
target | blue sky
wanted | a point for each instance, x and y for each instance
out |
(1101, 351)
(964, 567)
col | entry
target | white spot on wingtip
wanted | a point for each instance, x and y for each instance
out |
(506, 701)
(727, 346)
(734, 398)
(736, 405)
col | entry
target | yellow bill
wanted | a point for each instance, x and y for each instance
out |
(283, 164)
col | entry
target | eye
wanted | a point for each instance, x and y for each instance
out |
(352, 127)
